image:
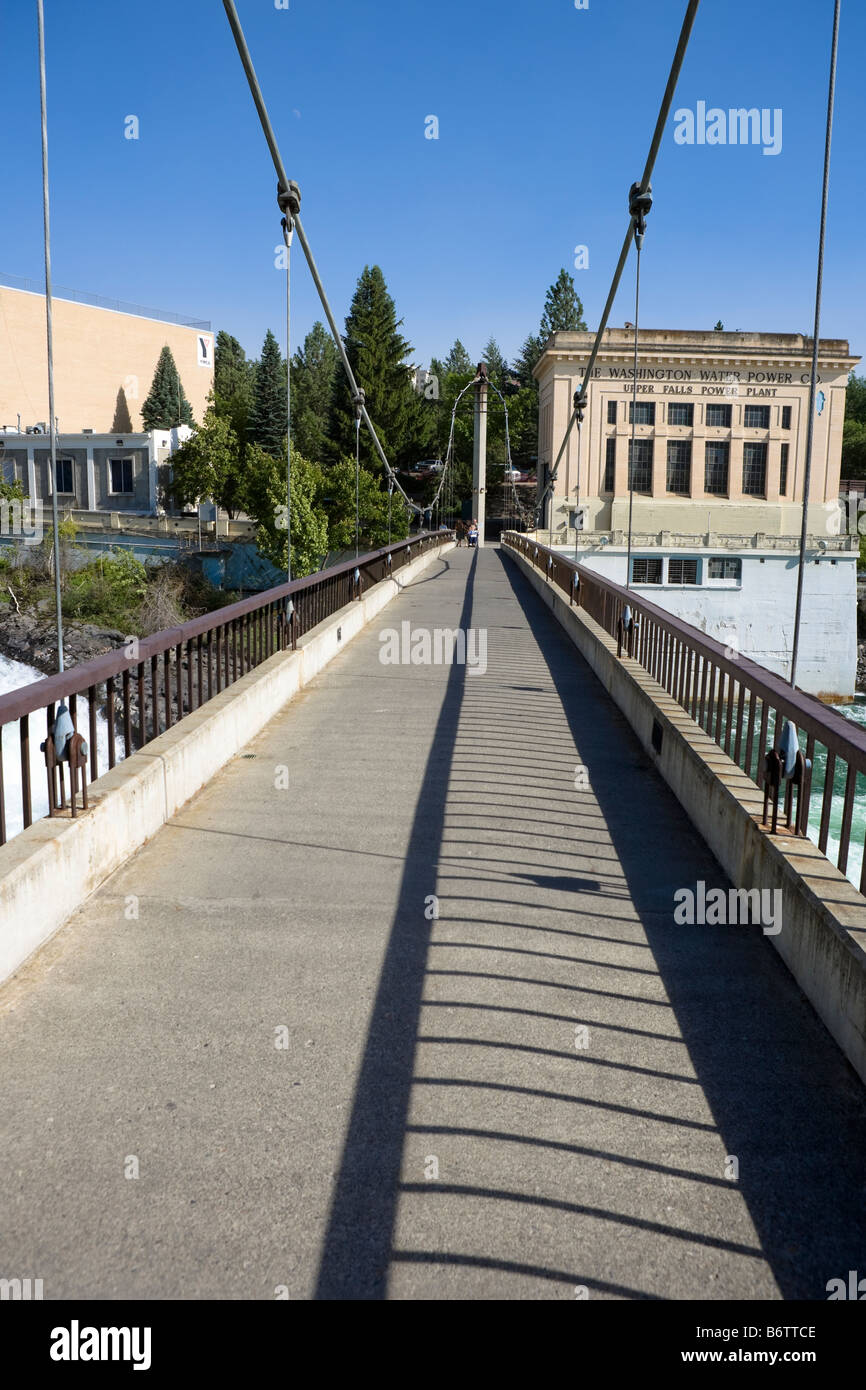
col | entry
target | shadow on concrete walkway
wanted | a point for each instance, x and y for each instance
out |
(709, 1052)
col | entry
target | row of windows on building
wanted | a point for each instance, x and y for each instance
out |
(120, 476)
(684, 569)
(755, 417)
(717, 457)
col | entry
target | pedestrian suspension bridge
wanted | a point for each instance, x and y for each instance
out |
(330, 976)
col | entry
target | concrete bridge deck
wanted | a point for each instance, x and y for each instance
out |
(410, 1040)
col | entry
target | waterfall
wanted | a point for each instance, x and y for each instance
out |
(14, 675)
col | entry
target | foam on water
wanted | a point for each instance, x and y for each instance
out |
(14, 675)
(856, 712)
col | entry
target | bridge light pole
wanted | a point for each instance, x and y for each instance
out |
(479, 450)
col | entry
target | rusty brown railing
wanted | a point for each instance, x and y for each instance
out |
(152, 683)
(741, 705)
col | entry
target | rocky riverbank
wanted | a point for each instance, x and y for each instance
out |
(861, 666)
(33, 641)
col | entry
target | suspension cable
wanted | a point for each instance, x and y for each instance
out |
(49, 328)
(357, 480)
(285, 188)
(807, 472)
(288, 228)
(639, 205)
(642, 188)
(579, 414)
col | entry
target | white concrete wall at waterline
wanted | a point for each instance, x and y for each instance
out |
(756, 616)
(823, 937)
(50, 869)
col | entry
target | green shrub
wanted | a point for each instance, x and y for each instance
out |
(108, 590)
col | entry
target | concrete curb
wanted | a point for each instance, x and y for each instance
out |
(823, 935)
(49, 870)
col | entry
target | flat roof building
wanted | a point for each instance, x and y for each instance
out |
(104, 361)
(720, 430)
(717, 476)
(104, 472)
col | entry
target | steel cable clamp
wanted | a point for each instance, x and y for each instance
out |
(639, 204)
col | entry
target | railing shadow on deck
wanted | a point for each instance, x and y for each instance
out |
(785, 1100)
(781, 1097)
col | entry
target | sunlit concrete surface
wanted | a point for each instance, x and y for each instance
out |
(434, 1126)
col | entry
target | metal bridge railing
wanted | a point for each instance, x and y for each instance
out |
(741, 705)
(149, 685)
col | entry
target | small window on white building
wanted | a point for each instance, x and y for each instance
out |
(646, 571)
(724, 567)
(65, 480)
(683, 570)
(120, 475)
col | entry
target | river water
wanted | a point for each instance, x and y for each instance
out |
(856, 712)
(13, 675)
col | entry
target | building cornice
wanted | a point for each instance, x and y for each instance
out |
(677, 347)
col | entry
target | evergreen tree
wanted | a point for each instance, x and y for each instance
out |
(528, 359)
(377, 353)
(234, 381)
(268, 415)
(458, 359)
(855, 398)
(234, 374)
(314, 367)
(853, 449)
(563, 311)
(854, 429)
(497, 367)
(166, 404)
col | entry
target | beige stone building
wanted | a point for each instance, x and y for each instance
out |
(104, 360)
(717, 470)
(720, 433)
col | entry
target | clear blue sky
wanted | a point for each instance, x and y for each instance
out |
(545, 117)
